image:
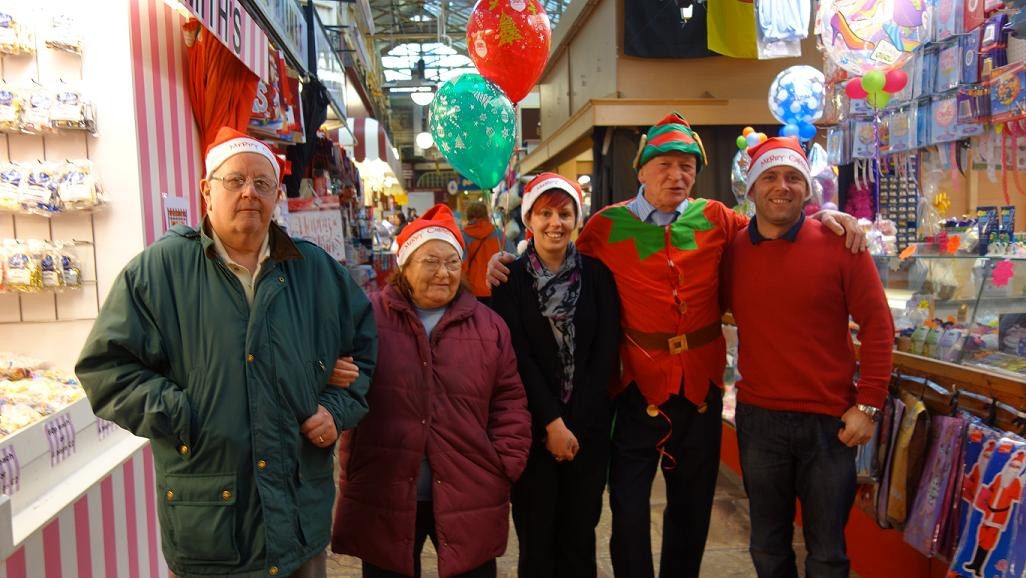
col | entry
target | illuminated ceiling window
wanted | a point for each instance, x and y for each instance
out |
(440, 63)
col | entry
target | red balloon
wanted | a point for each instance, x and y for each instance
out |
(853, 88)
(508, 40)
(896, 80)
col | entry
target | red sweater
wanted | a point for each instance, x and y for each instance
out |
(791, 302)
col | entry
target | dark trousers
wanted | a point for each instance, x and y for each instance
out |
(426, 529)
(693, 440)
(788, 455)
(315, 567)
(556, 506)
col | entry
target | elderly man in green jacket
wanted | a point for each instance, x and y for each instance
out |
(227, 347)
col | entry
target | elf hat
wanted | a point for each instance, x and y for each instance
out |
(779, 151)
(672, 133)
(230, 142)
(552, 181)
(435, 224)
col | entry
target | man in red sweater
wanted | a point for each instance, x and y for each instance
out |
(803, 405)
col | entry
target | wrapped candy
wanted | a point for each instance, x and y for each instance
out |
(64, 33)
(10, 109)
(15, 36)
(22, 272)
(38, 191)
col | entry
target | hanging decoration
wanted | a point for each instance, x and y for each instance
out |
(873, 34)
(508, 41)
(474, 127)
(796, 98)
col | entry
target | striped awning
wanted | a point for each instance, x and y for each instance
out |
(366, 140)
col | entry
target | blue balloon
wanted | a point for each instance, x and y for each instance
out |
(806, 131)
(797, 95)
(790, 130)
(752, 139)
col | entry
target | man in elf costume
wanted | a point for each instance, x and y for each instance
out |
(664, 250)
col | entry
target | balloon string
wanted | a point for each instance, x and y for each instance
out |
(876, 161)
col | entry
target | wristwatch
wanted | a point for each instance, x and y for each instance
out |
(872, 412)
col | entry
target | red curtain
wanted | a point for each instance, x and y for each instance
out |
(221, 88)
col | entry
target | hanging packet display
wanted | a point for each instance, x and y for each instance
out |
(986, 539)
(929, 515)
(946, 19)
(993, 45)
(897, 413)
(972, 15)
(907, 462)
(900, 130)
(1007, 97)
(949, 66)
(926, 66)
(943, 119)
(970, 43)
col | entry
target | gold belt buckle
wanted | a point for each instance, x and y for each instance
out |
(677, 343)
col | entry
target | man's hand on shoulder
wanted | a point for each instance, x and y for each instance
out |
(844, 224)
(498, 268)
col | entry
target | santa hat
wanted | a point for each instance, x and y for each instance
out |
(779, 151)
(436, 224)
(673, 133)
(230, 142)
(552, 181)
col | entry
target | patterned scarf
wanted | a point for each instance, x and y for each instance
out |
(557, 297)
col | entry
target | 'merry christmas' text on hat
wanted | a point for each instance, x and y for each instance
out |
(779, 151)
(673, 133)
(230, 142)
(547, 182)
(437, 224)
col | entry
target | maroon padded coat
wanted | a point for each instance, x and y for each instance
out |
(456, 398)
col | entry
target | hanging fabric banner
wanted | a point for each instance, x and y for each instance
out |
(236, 29)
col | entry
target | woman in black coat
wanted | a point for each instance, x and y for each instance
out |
(564, 317)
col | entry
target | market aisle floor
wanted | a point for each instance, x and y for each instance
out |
(726, 553)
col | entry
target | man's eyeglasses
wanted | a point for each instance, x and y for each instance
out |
(263, 186)
(431, 264)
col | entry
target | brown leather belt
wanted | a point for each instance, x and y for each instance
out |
(674, 343)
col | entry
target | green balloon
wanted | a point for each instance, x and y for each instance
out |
(742, 142)
(878, 100)
(474, 126)
(873, 81)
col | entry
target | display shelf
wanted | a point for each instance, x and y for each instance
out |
(47, 465)
(962, 309)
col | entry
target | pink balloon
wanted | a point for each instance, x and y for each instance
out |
(896, 80)
(853, 88)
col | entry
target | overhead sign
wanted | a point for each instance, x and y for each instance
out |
(236, 29)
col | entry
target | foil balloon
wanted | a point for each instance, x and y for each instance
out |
(824, 179)
(474, 127)
(739, 176)
(797, 95)
(508, 40)
(864, 35)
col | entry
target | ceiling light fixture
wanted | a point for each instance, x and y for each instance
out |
(423, 98)
(424, 140)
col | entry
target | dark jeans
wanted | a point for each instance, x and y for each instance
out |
(315, 567)
(425, 530)
(694, 443)
(788, 455)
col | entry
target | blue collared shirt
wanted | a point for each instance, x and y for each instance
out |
(649, 214)
(790, 235)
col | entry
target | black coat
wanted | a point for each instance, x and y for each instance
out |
(597, 327)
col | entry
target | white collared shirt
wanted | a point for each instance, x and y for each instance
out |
(246, 277)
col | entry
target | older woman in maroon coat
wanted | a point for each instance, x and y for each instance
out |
(448, 430)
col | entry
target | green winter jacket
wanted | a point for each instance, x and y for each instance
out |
(220, 387)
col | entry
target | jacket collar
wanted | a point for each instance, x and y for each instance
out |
(282, 246)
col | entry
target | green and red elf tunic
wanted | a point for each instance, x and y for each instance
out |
(668, 281)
